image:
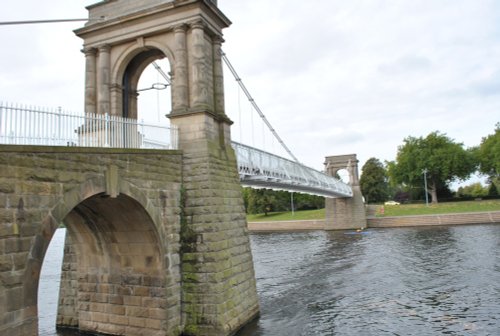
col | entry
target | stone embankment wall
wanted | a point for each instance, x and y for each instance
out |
(304, 225)
(429, 220)
(379, 222)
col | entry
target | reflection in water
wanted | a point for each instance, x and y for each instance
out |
(412, 281)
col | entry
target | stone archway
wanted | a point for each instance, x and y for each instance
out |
(124, 36)
(114, 269)
(349, 163)
(130, 80)
(115, 266)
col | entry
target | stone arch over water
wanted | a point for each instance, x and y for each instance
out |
(115, 266)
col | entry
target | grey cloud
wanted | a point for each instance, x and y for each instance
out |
(489, 86)
(405, 64)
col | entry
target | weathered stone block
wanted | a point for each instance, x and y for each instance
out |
(132, 300)
(119, 319)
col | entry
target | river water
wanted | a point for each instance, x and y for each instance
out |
(407, 281)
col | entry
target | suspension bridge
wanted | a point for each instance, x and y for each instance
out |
(257, 167)
(157, 240)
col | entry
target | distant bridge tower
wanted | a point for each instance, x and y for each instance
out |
(345, 213)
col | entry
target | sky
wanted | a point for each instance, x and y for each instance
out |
(332, 76)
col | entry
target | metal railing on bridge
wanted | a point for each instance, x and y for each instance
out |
(21, 125)
(260, 169)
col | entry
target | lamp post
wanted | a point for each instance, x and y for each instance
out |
(425, 187)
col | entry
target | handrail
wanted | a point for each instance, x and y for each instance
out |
(22, 125)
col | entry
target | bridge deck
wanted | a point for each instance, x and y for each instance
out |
(260, 169)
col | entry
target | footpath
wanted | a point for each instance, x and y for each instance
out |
(489, 217)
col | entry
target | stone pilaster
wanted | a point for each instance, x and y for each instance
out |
(180, 88)
(218, 77)
(201, 72)
(116, 93)
(103, 80)
(90, 80)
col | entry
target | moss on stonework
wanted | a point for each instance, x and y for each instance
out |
(189, 277)
(190, 330)
(188, 236)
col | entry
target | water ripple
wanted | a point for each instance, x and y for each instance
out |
(416, 281)
(411, 282)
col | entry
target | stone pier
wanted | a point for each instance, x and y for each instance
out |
(157, 242)
(345, 213)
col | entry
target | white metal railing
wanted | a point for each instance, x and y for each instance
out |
(260, 169)
(22, 125)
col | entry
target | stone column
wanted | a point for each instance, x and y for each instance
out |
(103, 80)
(200, 95)
(180, 80)
(116, 93)
(218, 77)
(90, 80)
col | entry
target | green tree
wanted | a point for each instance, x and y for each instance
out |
(488, 155)
(473, 190)
(260, 201)
(373, 181)
(440, 157)
(492, 190)
(265, 200)
(306, 201)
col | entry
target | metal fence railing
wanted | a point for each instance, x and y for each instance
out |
(22, 125)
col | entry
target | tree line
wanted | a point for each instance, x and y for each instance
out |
(265, 200)
(434, 161)
(443, 160)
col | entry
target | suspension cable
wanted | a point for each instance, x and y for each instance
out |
(252, 101)
(167, 78)
(162, 73)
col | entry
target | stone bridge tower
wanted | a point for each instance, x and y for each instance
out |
(122, 37)
(345, 213)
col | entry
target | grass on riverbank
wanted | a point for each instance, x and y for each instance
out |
(389, 210)
(287, 216)
(440, 208)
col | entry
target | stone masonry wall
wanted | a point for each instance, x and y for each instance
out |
(39, 186)
(219, 292)
(345, 213)
(492, 217)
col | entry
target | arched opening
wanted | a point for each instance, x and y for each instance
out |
(146, 87)
(343, 175)
(113, 272)
(48, 285)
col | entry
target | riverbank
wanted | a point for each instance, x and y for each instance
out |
(487, 217)
(379, 210)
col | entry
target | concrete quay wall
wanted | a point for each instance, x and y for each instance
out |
(490, 217)
(299, 225)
